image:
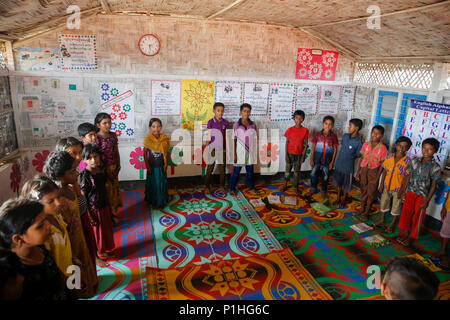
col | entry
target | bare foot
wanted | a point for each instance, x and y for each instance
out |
(298, 192)
(283, 187)
(444, 263)
(208, 191)
(233, 193)
(101, 263)
(438, 255)
(377, 222)
(364, 217)
(390, 229)
(105, 255)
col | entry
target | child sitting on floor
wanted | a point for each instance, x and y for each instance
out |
(373, 153)
(393, 187)
(296, 145)
(350, 150)
(425, 172)
(409, 279)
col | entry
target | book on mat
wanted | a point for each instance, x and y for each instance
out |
(290, 201)
(376, 241)
(361, 227)
(257, 203)
(274, 199)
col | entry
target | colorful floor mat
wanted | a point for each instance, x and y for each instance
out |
(282, 215)
(133, 235)
(124, 279)
(275, 276)
(338, 259)
(196, 228)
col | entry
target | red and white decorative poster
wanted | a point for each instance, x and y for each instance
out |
(316, 64)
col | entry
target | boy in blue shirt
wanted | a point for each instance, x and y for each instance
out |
(343, 171)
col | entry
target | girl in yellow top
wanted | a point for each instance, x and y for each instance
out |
(47, 192)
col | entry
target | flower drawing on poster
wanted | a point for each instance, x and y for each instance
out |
(197, 99)
(304, 57)
(39, 160)
(269, 153)
(16, 177)
(176, 157)
(137, 161)
(316, 64)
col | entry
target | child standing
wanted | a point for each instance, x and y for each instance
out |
(396, 168)
(108, 144)
(373, 153)
(350, 150)
(445, 233)
(62, 169)
(88, 134)
(47, 192)
(216, 142)
(156, 157)
(24, 229)
(323, 154)
(93, 186)
(244, 134)
(425, 173)
(296, 145)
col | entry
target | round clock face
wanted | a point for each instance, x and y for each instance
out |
(149, 45)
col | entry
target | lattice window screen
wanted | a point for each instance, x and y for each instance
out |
(417, 76)
(3, 61)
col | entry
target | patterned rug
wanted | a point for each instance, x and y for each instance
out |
(124, 279)
(282, 215)
(196, 228)
(338, 259)
(275, 276)
(133, 236)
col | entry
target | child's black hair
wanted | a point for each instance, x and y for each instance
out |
(245, 105)
(218, 104)
(100, 117)
(57, 164)
(90, 149)
(357, 123)
(85, 128)
(299, 113)
(38, 187)
(10, 266)
(153, 120)
(379, 128)
(328, 118)
(68, 142)
(16, 216)
(433, 142)
(409, 279)
(404, 139)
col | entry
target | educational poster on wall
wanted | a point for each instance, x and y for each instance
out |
(306, 99)
(78, 52)
(428, 120)
(29, 103)
(52, 86)
(197, 102)
(257, 95)
(165, 98)
(38, 59)
(348, 98)
(230, 94)
(43, 125)
(329, 99)
(316, 64)
(281, 101)
(117, 99)
(5, 93)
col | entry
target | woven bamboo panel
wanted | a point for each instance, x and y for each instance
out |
(196, 47)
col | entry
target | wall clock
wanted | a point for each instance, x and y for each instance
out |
(149, 45)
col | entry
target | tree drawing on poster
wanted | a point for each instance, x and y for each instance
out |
(428, 120)
(348, 98)
(117, 100)
(78, 52)
(281, 101)
(38, 59)
(197, 102)
(316, 64)
(165, 98)
(257, 95)
(329, 99)
(43, 125)
(230, 94)
(307, 98)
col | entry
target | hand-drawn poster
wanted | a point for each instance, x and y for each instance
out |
(230, 94)
(307, 98)
(5, 93)
(78, 52)
(257, 95)
(117, 99)
(348, 98)
(165, 98)
(29, 103)
(281, 101)
(316, 64)
(329, 99)
(197, 102)
(428, 120)
(43, 125)
(38, 59)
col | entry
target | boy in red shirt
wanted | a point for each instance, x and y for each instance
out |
(296, 145)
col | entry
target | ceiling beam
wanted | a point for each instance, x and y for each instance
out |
(235, 3)
(429, 6)
(105, 6)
